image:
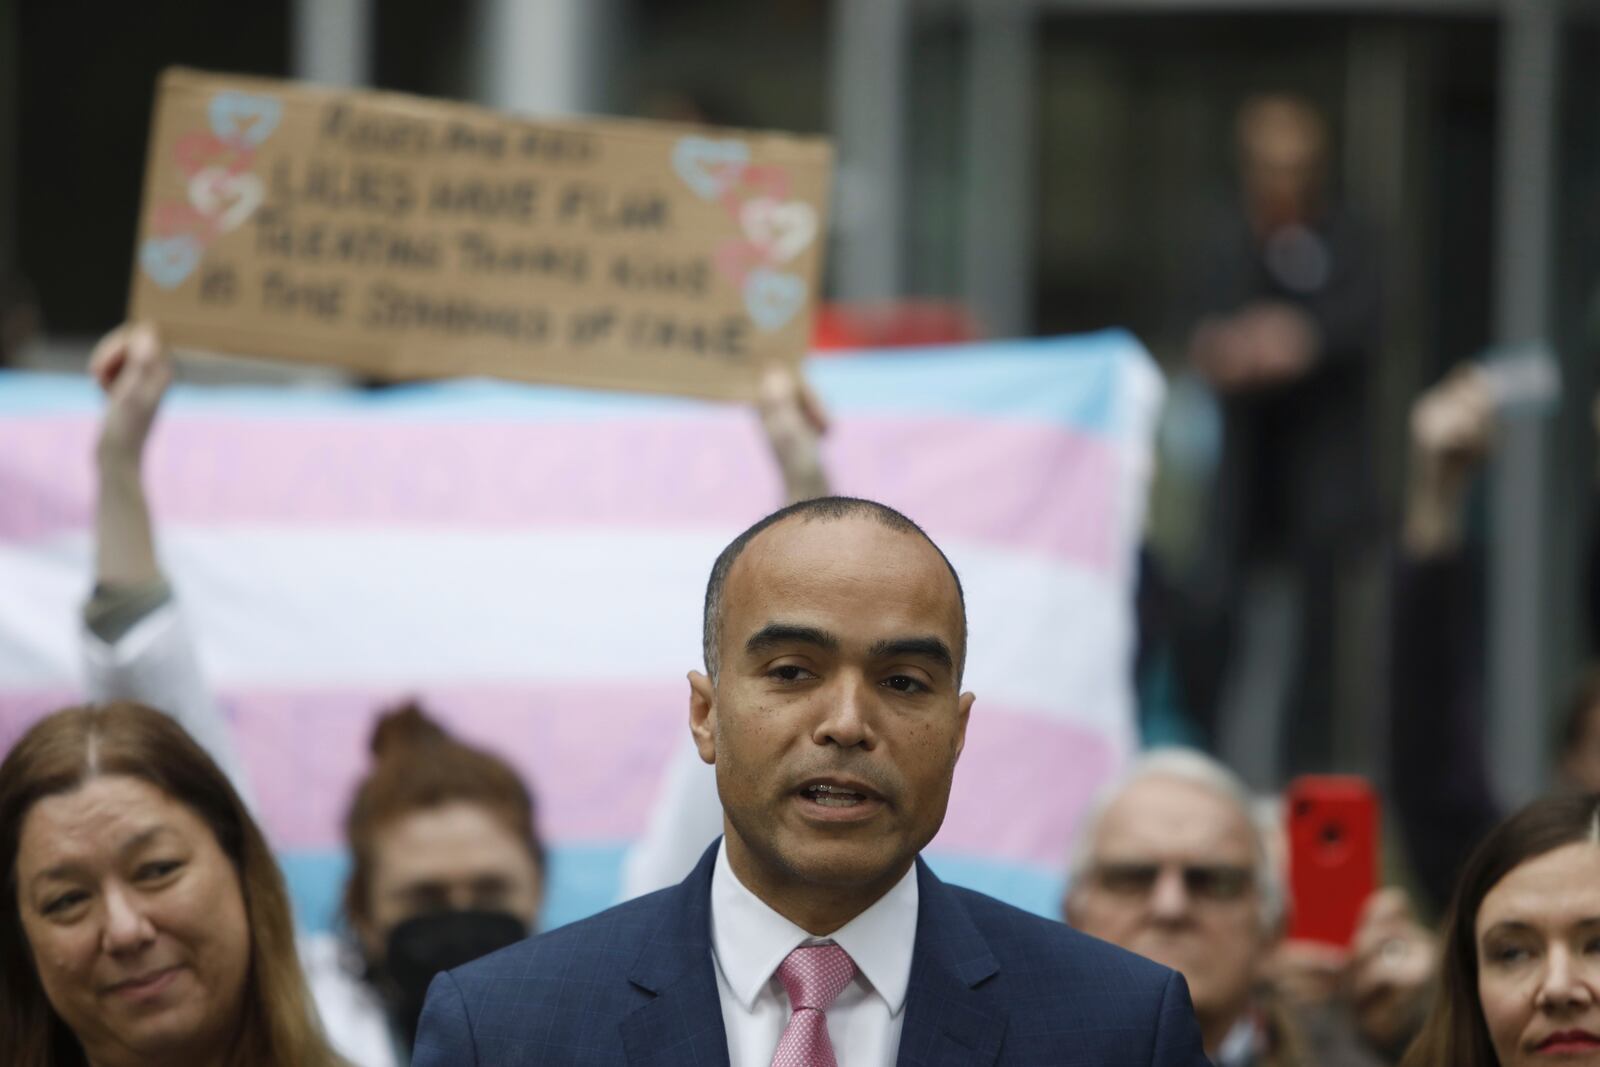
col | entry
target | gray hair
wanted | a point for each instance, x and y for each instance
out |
(1198, 769)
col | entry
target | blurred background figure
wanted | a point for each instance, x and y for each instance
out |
(1443, 791)
(446, 866)
(1174, 863)
(143, 921)
(19, 313)
(1170, 866)
(1287, 341)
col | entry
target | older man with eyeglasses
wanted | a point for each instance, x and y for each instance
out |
(1172, 863)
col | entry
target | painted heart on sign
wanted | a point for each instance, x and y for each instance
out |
(194, 152)
(772, 297)
(169, 218)
(244, 117)
(169, 260)
(735, 258)
(708, 166)
(759, 179)
(785, 229)
(227, 198)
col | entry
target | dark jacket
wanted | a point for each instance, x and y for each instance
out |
(1439, 773)
(637, 985)
(1296, 464)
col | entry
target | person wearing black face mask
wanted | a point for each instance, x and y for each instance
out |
(446, 867)
(421, 947)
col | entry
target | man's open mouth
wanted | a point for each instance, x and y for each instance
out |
(833, 796)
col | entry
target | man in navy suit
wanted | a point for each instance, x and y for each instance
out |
(812, 935)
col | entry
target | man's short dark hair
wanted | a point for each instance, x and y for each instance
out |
(823, 508)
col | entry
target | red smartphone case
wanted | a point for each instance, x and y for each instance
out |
(1333, 855)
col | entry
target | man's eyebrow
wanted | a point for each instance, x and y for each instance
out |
(931, 648)
(774, 634)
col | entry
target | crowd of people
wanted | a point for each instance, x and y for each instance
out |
(144, 920)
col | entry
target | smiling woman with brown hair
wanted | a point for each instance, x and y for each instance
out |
(1521, 975)
(142, 918)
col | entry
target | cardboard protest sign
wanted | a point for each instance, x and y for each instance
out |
(408, 238)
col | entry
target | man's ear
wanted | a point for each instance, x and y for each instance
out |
(703, 715)
(964, 712)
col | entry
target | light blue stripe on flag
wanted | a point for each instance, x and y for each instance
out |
(582, 880)
(1068, 380)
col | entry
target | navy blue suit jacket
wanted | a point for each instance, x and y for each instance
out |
(637, 985)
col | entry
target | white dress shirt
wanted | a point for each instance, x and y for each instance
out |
(749, 940)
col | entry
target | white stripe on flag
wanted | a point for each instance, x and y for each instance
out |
(283, 606)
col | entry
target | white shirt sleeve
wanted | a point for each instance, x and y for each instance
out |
(154, 663)
(352, 1015)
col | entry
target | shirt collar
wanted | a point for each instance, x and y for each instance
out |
(750, 940)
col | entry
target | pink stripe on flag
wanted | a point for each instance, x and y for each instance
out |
(19, 709)
(1021, 785)
(1026, 486)
(595, 754)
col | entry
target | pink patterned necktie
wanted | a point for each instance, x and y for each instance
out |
(813, 975)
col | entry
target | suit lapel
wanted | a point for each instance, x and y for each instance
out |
(947, 1022)
(682, 1023)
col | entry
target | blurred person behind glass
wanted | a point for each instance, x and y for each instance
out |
(1439, 770)
(1521, 974)
(143, 922)
(1172, 863)
(19, 313)
(1287, 331)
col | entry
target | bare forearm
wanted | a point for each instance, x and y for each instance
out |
(805, 481)
(794, 421)
(125, 554)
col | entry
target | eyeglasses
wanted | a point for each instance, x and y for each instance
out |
(1215, 882)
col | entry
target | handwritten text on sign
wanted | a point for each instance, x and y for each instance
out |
(411, 238)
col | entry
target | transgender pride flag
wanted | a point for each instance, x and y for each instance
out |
(530, 562)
